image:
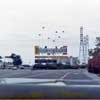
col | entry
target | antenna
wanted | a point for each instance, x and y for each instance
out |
(81, 49)
(86, 48)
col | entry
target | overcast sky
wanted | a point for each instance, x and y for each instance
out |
(21, 21)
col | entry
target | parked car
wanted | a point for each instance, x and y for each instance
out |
(14, 68)
(26, 66)
(94, 64)
(21, 67)
(1, 65)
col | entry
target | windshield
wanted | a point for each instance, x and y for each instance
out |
(50, 41)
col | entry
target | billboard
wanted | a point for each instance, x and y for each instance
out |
(51, 51)
(36, 50)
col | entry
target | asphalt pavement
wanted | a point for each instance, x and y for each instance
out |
(77, 83)
(74, 76)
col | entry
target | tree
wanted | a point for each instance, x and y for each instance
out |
(0, 57)
(98, 42)
(16, 59)
(96, 50)
(90, 52)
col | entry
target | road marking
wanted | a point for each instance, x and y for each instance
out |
(65, 75)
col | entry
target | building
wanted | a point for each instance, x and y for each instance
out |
(54, 55)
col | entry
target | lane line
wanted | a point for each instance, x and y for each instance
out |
(65, 75)
(72, 72)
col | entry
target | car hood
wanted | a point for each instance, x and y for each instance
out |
(29, 81)
(22, 80)
(49, 82)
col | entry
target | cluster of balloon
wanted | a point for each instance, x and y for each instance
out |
(43, 27)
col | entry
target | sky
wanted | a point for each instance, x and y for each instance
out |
(22, 20)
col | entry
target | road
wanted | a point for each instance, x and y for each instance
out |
(69, 83)
(74, 76)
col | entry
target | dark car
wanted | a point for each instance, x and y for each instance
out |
(45, 66)
(39, 66)
(26, 66)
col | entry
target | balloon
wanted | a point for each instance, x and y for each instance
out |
(43, 27)
(56, 31)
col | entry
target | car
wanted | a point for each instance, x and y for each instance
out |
(21, 67)
(40, 66)
(26, 66)
(2, 65)
(14, 68)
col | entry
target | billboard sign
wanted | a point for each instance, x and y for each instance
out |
(51, 51)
